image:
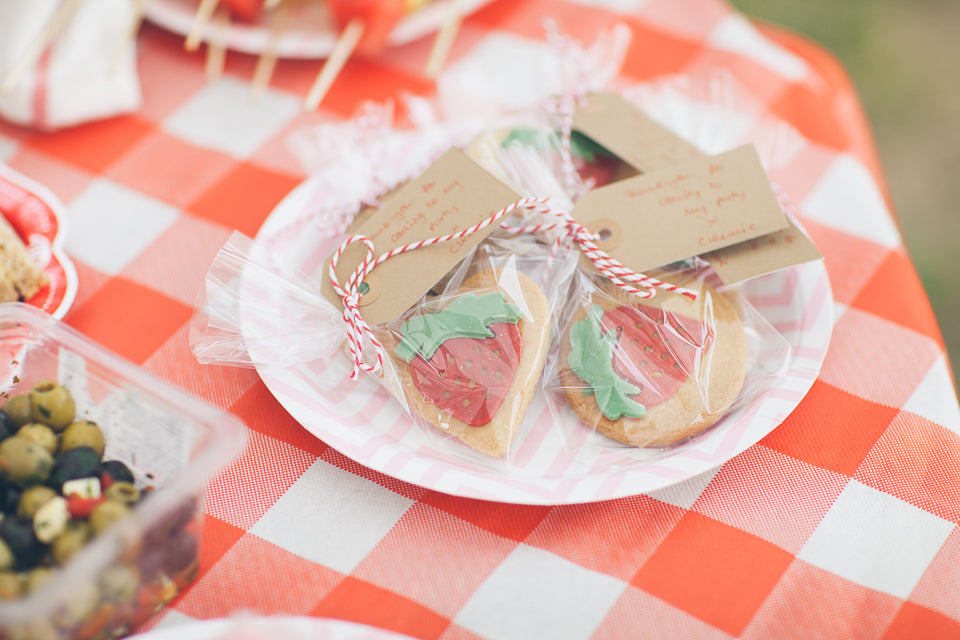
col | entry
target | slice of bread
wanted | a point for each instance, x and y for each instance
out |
(20, 277)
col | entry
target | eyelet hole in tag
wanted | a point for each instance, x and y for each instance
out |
(370, 290)
(608, 232)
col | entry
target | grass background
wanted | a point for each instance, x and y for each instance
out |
(904, 59)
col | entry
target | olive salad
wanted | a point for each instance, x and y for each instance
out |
(57, 493)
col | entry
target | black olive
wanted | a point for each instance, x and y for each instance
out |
(82, 462)
(117, 471)
(7, 426)
(19, 536)
(9, 497)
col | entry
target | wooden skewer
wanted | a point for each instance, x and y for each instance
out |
(139, 6)
(38, 45)
(443, 41)
(217, 45)
(201, 18)
(268, 58)
(341, 52)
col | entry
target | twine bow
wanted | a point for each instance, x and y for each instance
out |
(359, 333)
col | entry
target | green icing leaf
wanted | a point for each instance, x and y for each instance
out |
(591, 358)
(468, 316)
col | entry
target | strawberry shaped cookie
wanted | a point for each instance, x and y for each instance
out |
(471, 367)
(654, 372)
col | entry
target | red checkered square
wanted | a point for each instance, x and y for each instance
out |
(771, 495)
(673, 52)
(850, 261)
(217, 538)
(170, 169)
(369, 81)
(89, 282)
(637, 614)
(360, 601)
(713, 571)
(192, 244)
(65, 180)
(130, 319)
(914, 621)
(95, 145)
(244, 490)
(259, 577)
(935, 590)
(527, 20)
(863, 345)
(168, 75)
(243, 198)
(616, 537)
(261, 411)
(807, 109)
(174, 361)
(896, 293)
(515, 522)
(899, 464)
(818, 432)
(809, 602)
(434, 543)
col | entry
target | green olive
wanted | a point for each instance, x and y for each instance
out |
(120, 583)
(106, 513)
(7, 558)
(82, 433)
(23, 461)
(74, 538)
(52, 404)
(122, 492)
(41, 434)
(11, 587)
(18, 409)
(33, 498)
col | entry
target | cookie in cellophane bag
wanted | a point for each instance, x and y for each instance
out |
(656, 372)
(466, 361)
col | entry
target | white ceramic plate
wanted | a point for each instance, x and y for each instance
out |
(311, 31)
(270, 628)
(37, 215)
(359, 418)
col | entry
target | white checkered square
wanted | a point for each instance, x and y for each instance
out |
(876, 540)
(110, 225)
(332, 517)
(536, 594)
(934, 399)
(847, 199)
(735, 33)
(684, 494)
(503, 72)
(240, 130)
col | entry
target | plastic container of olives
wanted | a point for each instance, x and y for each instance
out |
(102, 472)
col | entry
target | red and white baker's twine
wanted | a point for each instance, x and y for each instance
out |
(359, 332)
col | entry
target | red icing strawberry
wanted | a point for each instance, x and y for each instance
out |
(655, 350)
(463, 358)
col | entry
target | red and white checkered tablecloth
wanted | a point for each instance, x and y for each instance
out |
(840, 523)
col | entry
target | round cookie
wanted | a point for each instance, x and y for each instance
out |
(696, 370)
